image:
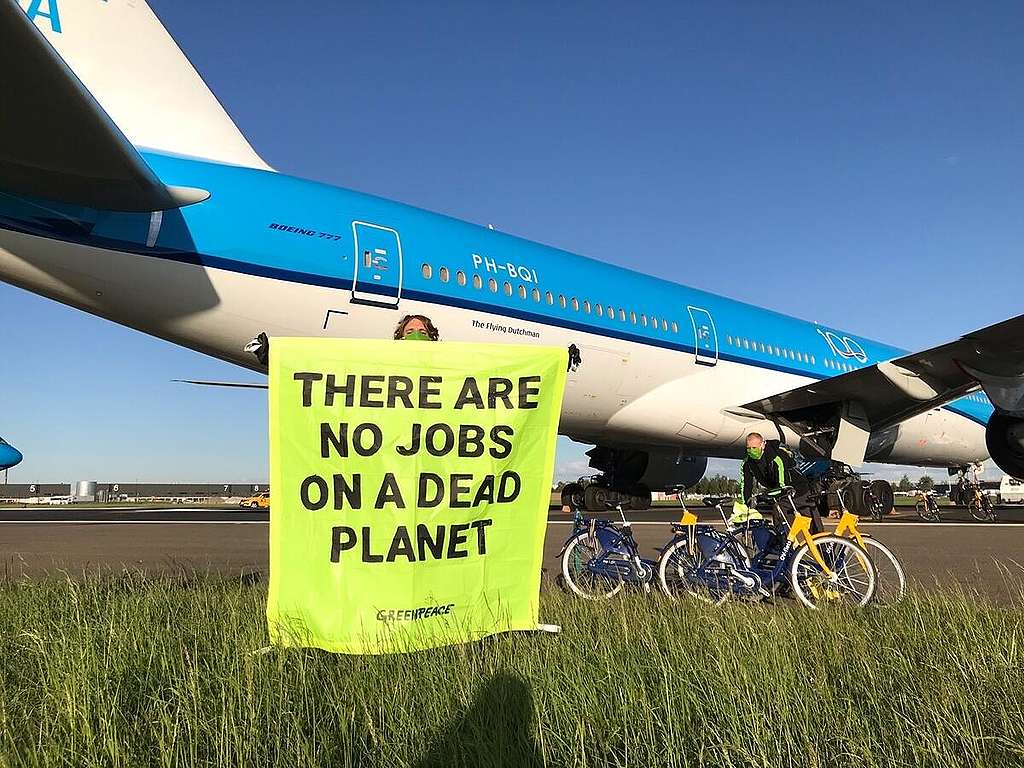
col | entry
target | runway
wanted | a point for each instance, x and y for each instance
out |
(987, 557)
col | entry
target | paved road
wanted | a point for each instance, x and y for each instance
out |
(988, 557)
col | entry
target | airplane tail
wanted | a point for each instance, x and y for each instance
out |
(131, 65)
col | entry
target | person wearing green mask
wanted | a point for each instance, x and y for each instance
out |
(416, 328)
(769, 464)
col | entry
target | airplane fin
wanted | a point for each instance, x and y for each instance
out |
(124, 56)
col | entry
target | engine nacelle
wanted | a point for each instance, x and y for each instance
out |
(1004, 437)
(654, 469)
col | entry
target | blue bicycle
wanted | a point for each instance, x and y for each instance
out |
(601, 556)
(757, 560)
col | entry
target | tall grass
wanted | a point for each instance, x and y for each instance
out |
(135, 671)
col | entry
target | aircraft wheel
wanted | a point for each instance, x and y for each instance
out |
(595, 498)
(854, 496)
(882, 497)
(572, 496)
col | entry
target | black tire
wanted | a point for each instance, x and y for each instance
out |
(853, 494)
(572, 496)
(640, 498)
(595, 498)
(882, 499)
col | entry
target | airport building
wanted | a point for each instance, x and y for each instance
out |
(130, 492)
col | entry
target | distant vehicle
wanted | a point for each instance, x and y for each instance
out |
(9, 455)
(257, 501)
(1011, 490)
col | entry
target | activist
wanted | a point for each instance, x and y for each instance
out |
(416, 328)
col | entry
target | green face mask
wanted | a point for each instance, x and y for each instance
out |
(416, 336)
(755, 453)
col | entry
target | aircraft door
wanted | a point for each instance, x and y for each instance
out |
(705, 337)
(378, 265)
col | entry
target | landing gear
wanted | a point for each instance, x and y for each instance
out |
(592, 494)
(861, 497)
(879, 498)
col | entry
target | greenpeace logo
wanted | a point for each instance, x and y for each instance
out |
(414, 614)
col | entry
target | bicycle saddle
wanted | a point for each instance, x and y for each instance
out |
(714, 501)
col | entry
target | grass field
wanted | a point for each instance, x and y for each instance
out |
(130, 671)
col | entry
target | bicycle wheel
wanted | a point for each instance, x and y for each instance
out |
(580, 552)
(890, 580)
(980, 510)
(927, 512)
(990, 509)
(677, 575)
(852, 579)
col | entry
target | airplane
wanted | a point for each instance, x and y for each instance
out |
(127, 191)
(9, 456)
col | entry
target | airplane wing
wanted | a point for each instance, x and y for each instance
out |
(228, 384)
(56, 141)
(844, 410)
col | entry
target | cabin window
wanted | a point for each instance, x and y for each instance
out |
(549, 298)
(575, 304)
(664, 324)
(622, 314)
(426, 271)
(611, 311)
(460, 277)
(561, 301)
(586, 306)
(536, 294)
(492, 284)
(643, 320)
(478, 282)
(508, 288)
(675, 328)
(522, 291)
(746, 344)
(443, 274)
(632, 317)
(599, 310)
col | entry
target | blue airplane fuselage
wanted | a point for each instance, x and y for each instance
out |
(369, 260)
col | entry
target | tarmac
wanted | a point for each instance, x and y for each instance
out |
(983, 557)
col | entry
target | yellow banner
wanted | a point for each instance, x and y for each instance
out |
(410, 484)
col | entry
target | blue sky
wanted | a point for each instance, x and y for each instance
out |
(855, 164)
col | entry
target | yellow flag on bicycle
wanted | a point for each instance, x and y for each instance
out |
(410, 484)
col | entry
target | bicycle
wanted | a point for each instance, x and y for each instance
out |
(979, 504)
(927, 506)
(714, 565)
(890, 579)
(601, 556)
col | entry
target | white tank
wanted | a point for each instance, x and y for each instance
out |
(85, 489)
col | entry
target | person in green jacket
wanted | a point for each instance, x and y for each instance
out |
(769, 464)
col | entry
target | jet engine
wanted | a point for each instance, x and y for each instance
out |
(628, 475)
(1004, 437)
